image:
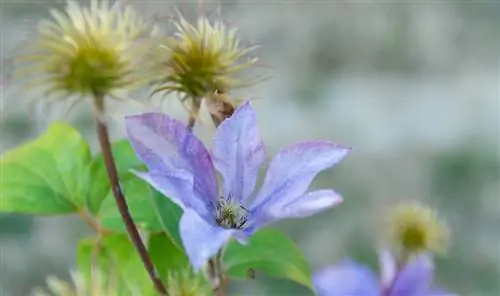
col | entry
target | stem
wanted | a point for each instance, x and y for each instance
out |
(217, 274)
(89, 221)
(103, 135)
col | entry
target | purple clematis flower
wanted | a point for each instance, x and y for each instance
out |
(181, 168)
(349, 278)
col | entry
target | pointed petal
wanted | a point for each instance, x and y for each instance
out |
(165, 145)
(171, 186)
(201, 240)
(414, 279)
(440, 293)
(346, 278)
(177, 187)
(387, 265)
(303, 206)
(238, 152)
(292, 170)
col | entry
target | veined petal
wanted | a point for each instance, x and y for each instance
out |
(347, 278)
(166, 145)
(238, 152)
(414, 279)
(178, 187)
(303, 206)
(201, 240)
(292, 170)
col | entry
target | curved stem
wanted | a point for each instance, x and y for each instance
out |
(103, 135)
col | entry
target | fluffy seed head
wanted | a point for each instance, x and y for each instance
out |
(200, 60)
(415, 228)
(88, 50)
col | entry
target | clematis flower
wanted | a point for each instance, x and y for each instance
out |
(349, 278)
(181, 168)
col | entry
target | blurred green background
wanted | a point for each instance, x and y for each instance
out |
(412, 86)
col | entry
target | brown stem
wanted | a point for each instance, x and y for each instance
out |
(216, 274)
(103, 135)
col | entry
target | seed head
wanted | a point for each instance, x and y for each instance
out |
(415, 228)
(200, 60)
(88, 50)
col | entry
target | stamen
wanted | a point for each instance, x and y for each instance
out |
(229, 214)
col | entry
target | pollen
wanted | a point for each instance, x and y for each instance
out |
(87, 50)
(230, 215)
(200, 60)
(416, 228)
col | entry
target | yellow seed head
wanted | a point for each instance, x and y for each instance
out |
(415, 228)
(200, 60)
(88, 50)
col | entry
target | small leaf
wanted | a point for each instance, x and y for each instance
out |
(48, 175)
(271, 252)
(125, 160)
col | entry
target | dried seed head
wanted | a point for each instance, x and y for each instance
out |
(88, 50)
(200, 60)
(415, 228)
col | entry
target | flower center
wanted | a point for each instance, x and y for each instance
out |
(229, 214)
(92, 69)
(414, 237)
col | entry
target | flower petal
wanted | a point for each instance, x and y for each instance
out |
(166, 145)
(414, 279)
(292, 170)
(200, 239)
(177, 187)
(387, 265)
(238, 152)
(440, 293)
(303, 206)
(346, 278)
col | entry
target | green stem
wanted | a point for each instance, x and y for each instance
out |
(103, 135)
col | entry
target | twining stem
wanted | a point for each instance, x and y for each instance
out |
(103, 135)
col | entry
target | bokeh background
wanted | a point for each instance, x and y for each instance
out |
(412, 86)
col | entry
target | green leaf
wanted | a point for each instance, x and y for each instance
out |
(119, 266)
(48, 175)
(166, 255)
(125, 160)
(149, 208)
(174, 268)
(271, 252)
